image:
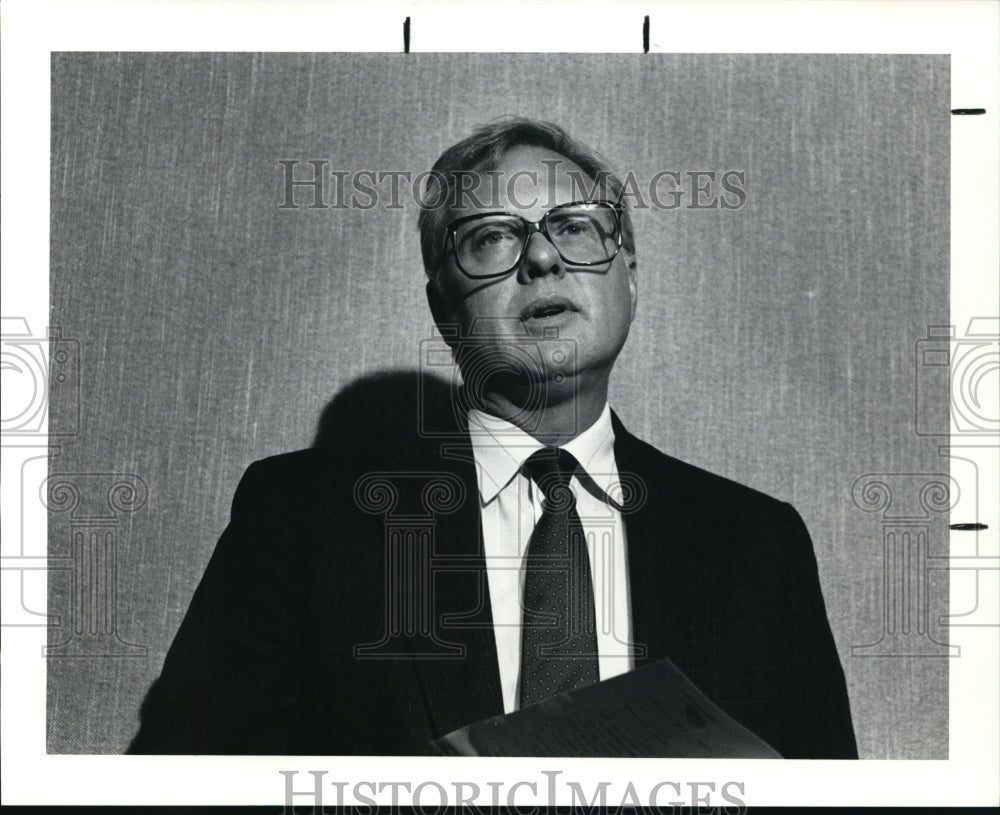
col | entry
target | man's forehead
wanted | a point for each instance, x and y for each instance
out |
(525, 163)
(533, 156)
(526, 179)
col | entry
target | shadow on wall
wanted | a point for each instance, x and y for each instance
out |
(381, 405)
(376, 406)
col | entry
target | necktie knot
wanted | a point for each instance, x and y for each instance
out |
(552, 468)
(551, 463)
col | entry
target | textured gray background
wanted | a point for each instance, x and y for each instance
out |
(774, 343)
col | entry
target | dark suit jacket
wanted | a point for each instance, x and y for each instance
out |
(345, 609)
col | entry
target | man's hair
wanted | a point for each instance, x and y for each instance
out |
(482, 151)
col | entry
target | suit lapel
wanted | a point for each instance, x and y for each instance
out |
(459, 672)
(659, 553)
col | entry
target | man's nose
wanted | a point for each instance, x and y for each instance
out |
(540, 258)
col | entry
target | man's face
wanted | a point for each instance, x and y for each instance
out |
(560, 312)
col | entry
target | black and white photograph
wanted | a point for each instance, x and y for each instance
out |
(394, 404)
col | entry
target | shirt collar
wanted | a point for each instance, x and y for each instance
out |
(500, 449)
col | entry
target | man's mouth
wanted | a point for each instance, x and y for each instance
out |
(545, 308)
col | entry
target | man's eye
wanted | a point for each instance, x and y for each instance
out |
(493, 236)
(575, 227)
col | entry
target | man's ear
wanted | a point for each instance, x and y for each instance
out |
(633, 283)
(438, 311)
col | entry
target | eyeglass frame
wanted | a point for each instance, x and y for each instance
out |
(531, 228)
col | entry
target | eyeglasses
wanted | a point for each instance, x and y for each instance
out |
(584, 233)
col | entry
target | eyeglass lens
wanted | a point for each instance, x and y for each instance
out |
(493, 244)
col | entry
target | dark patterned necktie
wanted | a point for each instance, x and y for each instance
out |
(559, 631)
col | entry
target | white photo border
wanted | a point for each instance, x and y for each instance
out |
(33, 29)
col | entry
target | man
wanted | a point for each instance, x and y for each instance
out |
(372, 597)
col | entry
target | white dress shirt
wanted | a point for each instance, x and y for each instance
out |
(511, 504)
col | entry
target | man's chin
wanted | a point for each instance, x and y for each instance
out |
(528, 360)
(522, 368)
